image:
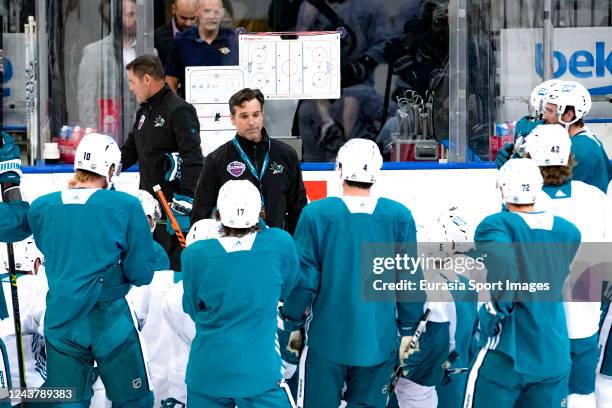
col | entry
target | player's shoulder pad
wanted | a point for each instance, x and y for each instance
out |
(323, 205)
(276, 234)
(496, 221)
(391, 206)
(564, 226)
(115, 198)
(584, 189)
(47, 199)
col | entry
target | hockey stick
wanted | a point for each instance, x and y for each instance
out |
(397, 373)
(170, 215)
(9, 246)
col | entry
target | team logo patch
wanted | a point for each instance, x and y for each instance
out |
(276, 168)
(224, 50)
(236, 168)
(141, 121)
(159, 121)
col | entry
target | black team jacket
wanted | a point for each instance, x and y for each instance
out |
(164, 124)
(282, 185)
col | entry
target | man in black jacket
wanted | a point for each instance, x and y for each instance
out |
(165, 124)
(252, 155)
(184, 15)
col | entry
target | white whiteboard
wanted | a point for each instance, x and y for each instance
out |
(208, 89)
(302, 67)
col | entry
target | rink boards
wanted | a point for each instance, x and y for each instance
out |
(426, 189)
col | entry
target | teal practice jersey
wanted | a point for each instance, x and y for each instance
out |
(592, 163)
(14, 221)
(529, 248)
(232, 287)
(96, 244)
(342, 326)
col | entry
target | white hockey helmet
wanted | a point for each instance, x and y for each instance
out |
(360, 160)
(520, 181)
(450, 233)
(570, 93)
(457, 230)
(239, 204)
(26, 254)
(203, 229)
(97, 153)
(149, 205)
(549, 145)
(539, 95)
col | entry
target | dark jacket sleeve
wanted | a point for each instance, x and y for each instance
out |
(186, 129)
(173, 66)
(129, 153)
(205, 198)
(296, 195)
(162, 39)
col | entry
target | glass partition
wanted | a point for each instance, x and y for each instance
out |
(86, 49)
(410, 69)
(510, 51)
(394, 75)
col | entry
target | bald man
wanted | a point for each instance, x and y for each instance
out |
(203, 45)
(184, 15)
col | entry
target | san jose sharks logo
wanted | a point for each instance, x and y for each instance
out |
(276, 168)
(159, 121)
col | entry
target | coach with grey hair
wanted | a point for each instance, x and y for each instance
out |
(271, 165)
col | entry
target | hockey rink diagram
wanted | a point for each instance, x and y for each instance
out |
(307, 67)
(208, 89)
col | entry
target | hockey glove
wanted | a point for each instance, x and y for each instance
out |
(182, 204)
(291, 345)
(450, 368)
(406, 349)
(504, 155)
(290, 338)
(10, 161)
(181, 209)
(172, 167)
